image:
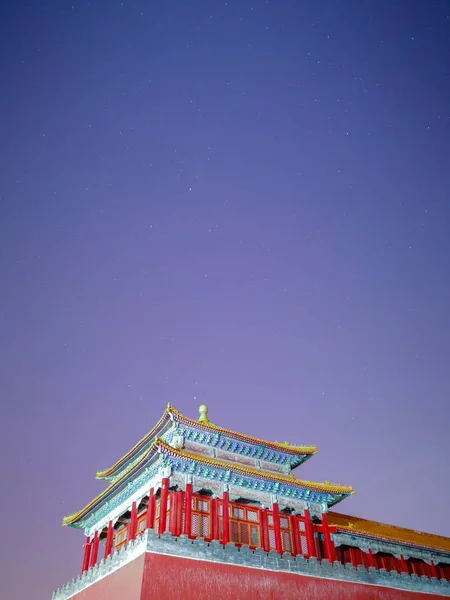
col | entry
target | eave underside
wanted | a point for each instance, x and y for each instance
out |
(163, 456)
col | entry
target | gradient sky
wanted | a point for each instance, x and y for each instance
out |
(241, 203)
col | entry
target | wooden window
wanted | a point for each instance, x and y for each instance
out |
(245, 527)
(201, 516)
(120, 537)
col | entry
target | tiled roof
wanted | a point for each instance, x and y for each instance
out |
(332, 488)
(170, 411)
(159, 445)
(388, 532)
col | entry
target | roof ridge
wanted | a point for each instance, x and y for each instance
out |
(173, 412)
(292, 449)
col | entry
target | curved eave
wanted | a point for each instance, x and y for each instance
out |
(302, 453)
(107, 473)
(159, 446)
(72, 519)
(314, 486)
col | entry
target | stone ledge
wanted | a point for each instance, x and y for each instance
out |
(198, 549)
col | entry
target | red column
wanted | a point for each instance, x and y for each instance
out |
(329, 545)
(173, 512)
(133, 523)
(225, 519)
(188, 510)
(94, 550)
(109, 539)
(214, 520)
(296, 546)
(163, 505)
(151, 509)
(352, 556)
(179, 520)
(433, 570)
(87, 554)
(309, 535)
(264, 531)
(276, 528)
(403, 565)
(371, 559)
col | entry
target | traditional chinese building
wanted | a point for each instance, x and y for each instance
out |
(198, 511)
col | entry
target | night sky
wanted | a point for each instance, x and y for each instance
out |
(241, 203)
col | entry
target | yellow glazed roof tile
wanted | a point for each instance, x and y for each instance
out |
(161, 445)
(205, 424)
(388, 532)
(332, 488)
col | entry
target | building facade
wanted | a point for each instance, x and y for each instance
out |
(195, 510)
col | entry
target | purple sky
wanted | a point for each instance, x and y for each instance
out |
(242, 203)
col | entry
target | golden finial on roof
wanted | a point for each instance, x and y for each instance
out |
(203, 414)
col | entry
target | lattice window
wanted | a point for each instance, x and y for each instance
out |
(286, 542)
(201, 517)
(142, 524)
(285, 533)
(254, 535)
(200, 525)
(302, 537)
(120, 537)
(244, 523)
(272, 539)
(238, 513)
(252, 515)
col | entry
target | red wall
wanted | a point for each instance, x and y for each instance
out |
(173, 578)
(164, 577)
(123, 584)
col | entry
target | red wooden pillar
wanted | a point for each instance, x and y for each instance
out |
(276, 528)
(403, 565)
(151, 509)
(109, 539)
(214, 520)
(433, 570)
(94, 550)
(179, 518)
(264, 531)
(188, 510)
(309, 535)
(173, 516)
(296, 546)
(163, 505)
(329, 545)
(86, 555)
(133, 523)
(353, 558)
(225, 519)
(371, 559)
